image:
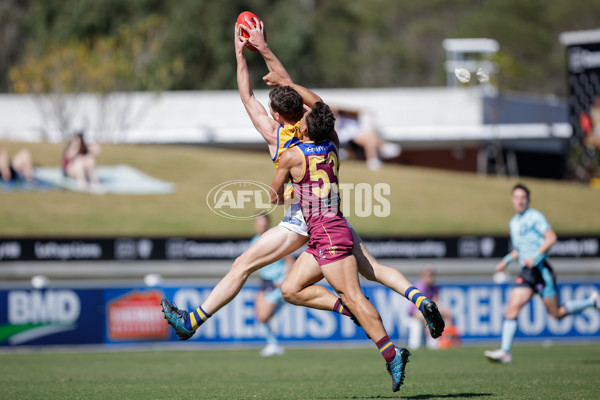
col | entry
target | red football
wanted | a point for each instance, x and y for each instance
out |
(241, 20)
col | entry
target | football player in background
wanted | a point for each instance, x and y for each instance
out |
(269, 299)
(532, 237)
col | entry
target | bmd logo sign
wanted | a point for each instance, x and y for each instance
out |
(240, 199)
(35, 314)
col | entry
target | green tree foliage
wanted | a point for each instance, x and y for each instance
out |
(105, 65)
(12, 13)
(324, 43)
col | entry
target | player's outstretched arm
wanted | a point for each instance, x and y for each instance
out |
(308, 96)
(274, 65)
(265, 125)
(257, 39)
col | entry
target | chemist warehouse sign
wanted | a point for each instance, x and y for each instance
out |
(478, 311)
(129, 315)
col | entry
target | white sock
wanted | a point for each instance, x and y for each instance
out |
(509, 329)
(270, 336)
(576, 306)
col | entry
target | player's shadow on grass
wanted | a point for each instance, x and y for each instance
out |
(446, 396)
(426, 396)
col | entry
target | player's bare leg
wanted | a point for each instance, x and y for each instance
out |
(296, 291)
(518, 298)
(342, 275)
(570, 307)
(299, 289)
(372, 270)
(557, 311)
(390, 277)
(264, 308)
(271, 246)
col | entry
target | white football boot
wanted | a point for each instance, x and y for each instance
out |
(498, 356)
(272, 350)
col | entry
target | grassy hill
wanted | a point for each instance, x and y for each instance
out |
(422, 201)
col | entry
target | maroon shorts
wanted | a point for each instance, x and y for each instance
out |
(330, 241)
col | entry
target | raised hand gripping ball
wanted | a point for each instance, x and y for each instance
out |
(241, 20)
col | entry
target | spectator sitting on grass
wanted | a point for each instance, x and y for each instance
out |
(355, 128)
(79, 162)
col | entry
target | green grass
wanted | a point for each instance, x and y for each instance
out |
(558, 372)
(423, 201)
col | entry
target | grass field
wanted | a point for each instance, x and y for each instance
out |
(423, 201)
(557, 372)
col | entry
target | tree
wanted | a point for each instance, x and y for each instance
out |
(108, 66)
(333, 43)
(12, 13)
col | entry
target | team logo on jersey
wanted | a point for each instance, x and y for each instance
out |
(539, 287)
(523, 229)
(332, 250)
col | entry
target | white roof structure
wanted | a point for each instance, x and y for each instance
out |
(580, 37)
(471, 45)
(404, 115)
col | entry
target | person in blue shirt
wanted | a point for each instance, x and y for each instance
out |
(269, 298)
(532, 237)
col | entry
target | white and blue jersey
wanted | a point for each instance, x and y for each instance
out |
(527, 233)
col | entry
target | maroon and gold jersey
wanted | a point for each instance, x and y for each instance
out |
(317, 190)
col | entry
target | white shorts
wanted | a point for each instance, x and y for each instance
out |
(294, 220)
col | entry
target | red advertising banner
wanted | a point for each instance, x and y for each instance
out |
(136, 316)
